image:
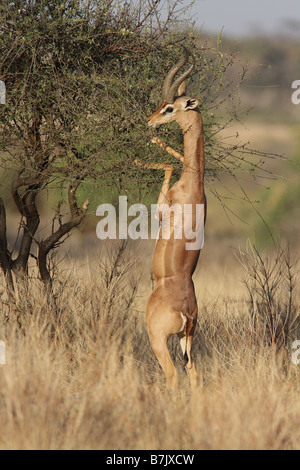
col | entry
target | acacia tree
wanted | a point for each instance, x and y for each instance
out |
(55, 60)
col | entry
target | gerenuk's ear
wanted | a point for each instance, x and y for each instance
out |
(190, 104)
(182, 89)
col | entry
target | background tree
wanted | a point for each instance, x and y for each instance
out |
(81, 77)
(53, 56)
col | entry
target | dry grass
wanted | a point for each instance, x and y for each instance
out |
(83, 376)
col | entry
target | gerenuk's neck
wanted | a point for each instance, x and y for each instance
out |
(194, 160)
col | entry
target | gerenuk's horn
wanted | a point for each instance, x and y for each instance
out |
(169, 89)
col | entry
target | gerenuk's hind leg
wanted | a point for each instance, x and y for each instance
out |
(160, 348)
(162, 323)
(186, 339)
(186, 346)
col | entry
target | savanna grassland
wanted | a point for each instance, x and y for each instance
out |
(80, 373)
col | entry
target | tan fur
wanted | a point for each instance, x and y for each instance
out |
(173, 265)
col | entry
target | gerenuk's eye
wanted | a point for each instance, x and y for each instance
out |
(168, 110)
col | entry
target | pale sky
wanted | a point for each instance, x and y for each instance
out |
(240, 17)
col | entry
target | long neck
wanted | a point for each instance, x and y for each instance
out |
(194, 160)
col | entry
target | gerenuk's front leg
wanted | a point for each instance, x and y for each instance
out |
(163, 196)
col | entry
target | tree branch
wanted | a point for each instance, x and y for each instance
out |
(45, 246)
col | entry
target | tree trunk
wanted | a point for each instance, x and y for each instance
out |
(27, 208)
(5, 260)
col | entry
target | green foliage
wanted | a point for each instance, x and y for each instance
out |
(52, 55)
